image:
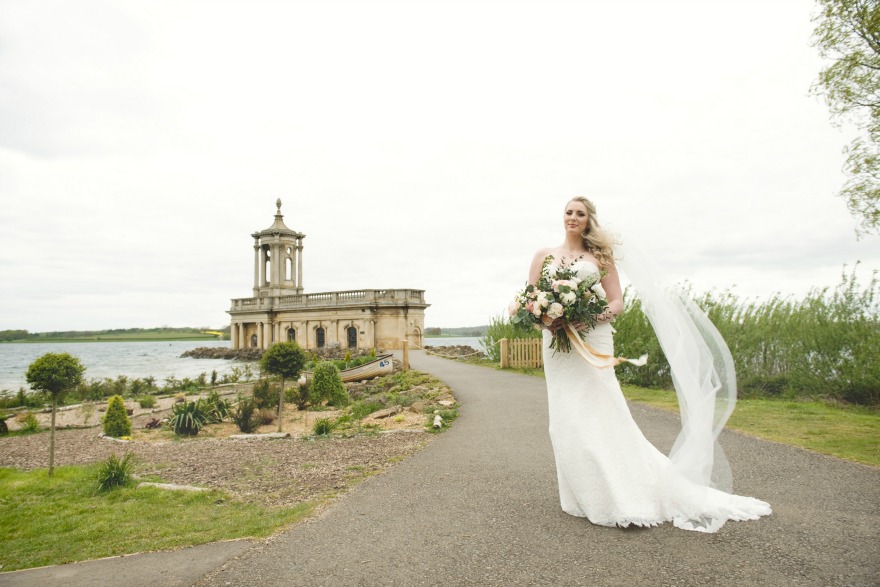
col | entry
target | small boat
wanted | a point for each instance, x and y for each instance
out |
(382, 365)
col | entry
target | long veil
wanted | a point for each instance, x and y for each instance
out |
(702, 370)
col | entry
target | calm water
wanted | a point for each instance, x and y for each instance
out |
(109, 359)
(137, 359)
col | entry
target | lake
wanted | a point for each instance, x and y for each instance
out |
(137, 359)
(160, 359)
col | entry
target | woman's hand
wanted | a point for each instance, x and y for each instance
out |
(559, 323)
(606, 316)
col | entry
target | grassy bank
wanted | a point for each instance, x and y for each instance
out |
(146, 337)
(119, 335)
(60, 519)
(846, 432)
(840, 430)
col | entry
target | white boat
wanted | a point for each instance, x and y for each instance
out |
(382, 365)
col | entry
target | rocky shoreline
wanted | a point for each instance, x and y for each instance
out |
(455, 351)
(207, 352)
(252, 354)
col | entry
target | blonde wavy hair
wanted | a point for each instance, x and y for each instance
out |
(598, 241)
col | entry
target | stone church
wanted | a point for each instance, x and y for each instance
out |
(280, 310)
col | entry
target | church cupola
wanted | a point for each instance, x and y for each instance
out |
(278, 259)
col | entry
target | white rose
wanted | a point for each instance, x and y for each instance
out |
(543, 300)
(599, 291)
(568, 298)
(555, 310)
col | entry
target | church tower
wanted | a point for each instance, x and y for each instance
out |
(352, 319)
(278, 259)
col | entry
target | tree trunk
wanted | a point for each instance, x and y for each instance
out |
(52, 439)
(280, 403)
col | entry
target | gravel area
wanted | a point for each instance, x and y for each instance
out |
(278, 472)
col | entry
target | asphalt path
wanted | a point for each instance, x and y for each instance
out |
(478, 506)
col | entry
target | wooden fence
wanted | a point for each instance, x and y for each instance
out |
(521, 353)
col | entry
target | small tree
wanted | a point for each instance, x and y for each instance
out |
(116, 421)
(55, 374)
(286, 360)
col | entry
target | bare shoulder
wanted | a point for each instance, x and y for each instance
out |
(545, 252)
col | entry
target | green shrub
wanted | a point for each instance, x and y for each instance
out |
(822, 345)
(188, 418)
(500, 327)
(363, 408)
(244, 415)
(266, 416)
(4, 429)
(327, 386)
(115, 472)
(116, 421)
(322, 427)
(147, 401)
(266, 394)
(218, 409)
(30, 423)
(447, 416)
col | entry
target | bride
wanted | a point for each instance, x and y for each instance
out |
(607, 471)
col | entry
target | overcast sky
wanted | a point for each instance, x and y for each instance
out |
(427, 145)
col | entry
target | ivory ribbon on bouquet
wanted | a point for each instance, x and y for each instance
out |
(595, 358)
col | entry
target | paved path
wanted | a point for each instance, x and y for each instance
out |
(478, 506)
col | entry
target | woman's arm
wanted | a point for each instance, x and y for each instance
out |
(537, 265)
(613, 293)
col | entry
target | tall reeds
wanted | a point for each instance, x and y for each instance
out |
(827, 344)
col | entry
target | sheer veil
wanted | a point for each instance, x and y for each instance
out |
(701, 364)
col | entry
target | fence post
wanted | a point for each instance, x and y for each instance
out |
(405, 345)
(505, 359)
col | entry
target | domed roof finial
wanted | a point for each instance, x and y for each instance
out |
(278, 205)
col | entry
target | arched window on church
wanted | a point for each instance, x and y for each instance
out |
(319, 337)
(352, 337)
(291, 335)
(253, 341)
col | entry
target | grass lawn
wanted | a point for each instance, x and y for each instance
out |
(847, 432)
(60, 519)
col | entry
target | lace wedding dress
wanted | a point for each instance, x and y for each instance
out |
(608, 472)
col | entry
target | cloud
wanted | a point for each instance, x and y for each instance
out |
(426, 145)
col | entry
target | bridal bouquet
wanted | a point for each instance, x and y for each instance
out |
(559, 294)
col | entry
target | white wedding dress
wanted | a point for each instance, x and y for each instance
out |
(608, 472)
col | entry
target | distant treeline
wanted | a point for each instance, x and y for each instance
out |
(12, 335)
(463, 331)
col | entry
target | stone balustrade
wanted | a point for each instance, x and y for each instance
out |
(335, 299)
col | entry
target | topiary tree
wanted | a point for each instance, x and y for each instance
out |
(286, 360)
(327, 385)
(55, 374)
(116, 421)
